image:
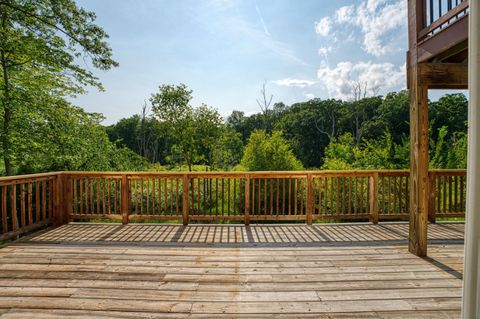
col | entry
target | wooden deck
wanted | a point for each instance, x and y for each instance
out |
(262, 271)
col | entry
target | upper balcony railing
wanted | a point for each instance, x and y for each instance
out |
(30, 202)
(437, 15)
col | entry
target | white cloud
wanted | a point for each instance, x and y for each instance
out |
(378, 76)
(375, 19)
(344, 14)
(323, 26)
(324, 50)
(293, 82)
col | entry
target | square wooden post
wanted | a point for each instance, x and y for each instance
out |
(185, 207)
(373, 180)
(310, 199)
(431, 197)
(125, 199)
(417, 243)
(247, 199)
(419, 190)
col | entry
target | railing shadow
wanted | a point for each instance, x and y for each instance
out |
(278, 235)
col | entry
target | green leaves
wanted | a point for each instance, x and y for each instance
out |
(269, 153)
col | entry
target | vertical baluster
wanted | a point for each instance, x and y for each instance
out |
(283, 196)
(228, 196)
(171, 195)
(271, 196)
(332, 195)
(44, 200)
(450, 194)
(462, 189)
(223, 196)
(400, 195)
(253, 196)
(444, 194)
(302, 194)
(455, 205)
(197, 211)
(265, 192)
(92, 195)
(165, 190)
(13, 195)
(277, 180)
(320, 195)
(116, 197)
(259, 196)
(362, 192)
(29, 203)
(22, 204)
(4, 209)
(295, 194)
(177, 195)
(235, 197)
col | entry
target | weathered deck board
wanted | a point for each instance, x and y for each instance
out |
(320, 271)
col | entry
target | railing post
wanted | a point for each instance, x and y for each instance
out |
(67, 199)
(310, 199)
(185, 207)
(373, 180)
(59, 200)
(124, 203)
(247, 199)
(431, 197)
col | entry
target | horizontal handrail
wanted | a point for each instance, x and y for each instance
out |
(29, 202)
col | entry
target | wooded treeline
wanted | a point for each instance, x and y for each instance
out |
(370, 133)
(47, 51)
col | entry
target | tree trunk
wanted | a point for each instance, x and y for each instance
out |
(6, 117)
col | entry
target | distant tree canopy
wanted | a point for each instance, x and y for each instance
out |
(366, 133)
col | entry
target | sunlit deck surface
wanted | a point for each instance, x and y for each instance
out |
(209, 271)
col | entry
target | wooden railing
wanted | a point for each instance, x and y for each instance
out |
(33, 201)
(439, 14)
(28, 202)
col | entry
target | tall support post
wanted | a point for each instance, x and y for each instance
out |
(471, 283)
(419, 181)
(418, 135)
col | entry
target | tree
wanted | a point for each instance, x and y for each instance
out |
(171, 107)
(195, 130)
(228, 150)
(69, 139)
(40, 44)
(264, 102)
(265, 152)
(208, 125)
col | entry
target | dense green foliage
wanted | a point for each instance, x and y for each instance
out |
(43, 44)
(371, 133)
(265, 152)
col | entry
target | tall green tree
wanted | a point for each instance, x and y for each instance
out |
(265, 152)
(41, 44)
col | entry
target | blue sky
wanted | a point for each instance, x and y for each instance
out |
(224, 50)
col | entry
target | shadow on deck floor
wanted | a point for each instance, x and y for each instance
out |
(351, 234)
